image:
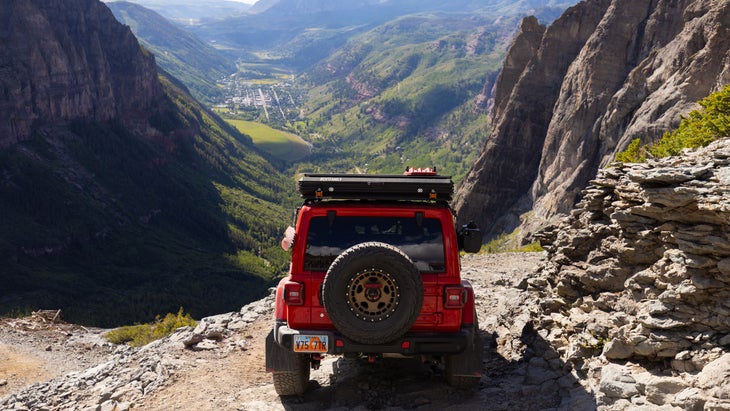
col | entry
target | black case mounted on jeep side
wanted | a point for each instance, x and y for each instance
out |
(375, 187)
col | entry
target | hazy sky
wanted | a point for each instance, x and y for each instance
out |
(246, 1)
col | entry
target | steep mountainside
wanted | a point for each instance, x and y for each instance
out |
(606, 72)
(58, 66)
(640, 271)
(177, 51)
(120, 196)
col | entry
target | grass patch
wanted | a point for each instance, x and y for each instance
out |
(535, 247)
(280, 144)
(143, 334)
(497, 245)
(507, 243)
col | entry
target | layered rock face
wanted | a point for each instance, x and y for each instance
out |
(640, 271)
(603, 74)
(59, 64)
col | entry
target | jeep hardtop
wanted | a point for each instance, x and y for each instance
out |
(375, 272)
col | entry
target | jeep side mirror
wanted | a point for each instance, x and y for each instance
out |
(470, 238)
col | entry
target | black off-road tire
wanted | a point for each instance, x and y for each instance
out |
(373, 293)
(293, 382)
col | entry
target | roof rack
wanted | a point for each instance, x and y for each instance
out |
(409, 186)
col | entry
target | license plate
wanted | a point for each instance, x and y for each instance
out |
(310, 343)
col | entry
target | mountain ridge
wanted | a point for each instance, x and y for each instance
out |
(299, 33)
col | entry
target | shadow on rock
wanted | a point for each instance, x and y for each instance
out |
(534, 379)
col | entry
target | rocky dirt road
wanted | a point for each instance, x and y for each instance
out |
(223, 365)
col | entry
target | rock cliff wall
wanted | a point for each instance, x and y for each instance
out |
(640, 272)
(525, 93)
(603, 74)
(50, 74)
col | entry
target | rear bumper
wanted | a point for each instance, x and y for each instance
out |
(410, 344)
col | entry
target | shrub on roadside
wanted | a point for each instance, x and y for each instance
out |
(143, 334)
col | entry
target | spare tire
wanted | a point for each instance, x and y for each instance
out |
(373, 293)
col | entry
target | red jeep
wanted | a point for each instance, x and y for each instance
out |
(375, 272)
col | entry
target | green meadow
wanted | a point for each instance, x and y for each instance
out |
(280, 144)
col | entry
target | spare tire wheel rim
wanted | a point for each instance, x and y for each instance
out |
(372, 295)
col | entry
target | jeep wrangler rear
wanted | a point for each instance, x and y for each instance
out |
(375, 272)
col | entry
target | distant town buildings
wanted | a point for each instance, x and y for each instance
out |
(277, 102)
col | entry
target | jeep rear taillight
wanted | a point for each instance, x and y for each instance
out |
(454, 296)
(293, 293)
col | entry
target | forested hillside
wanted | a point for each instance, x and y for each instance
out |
(403, 93)
(304, 32)
(409, 92)
(114, 226)
(121, 196)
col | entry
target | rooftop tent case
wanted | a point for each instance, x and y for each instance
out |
(375, 187)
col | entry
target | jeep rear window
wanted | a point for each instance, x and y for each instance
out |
(421, 239)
